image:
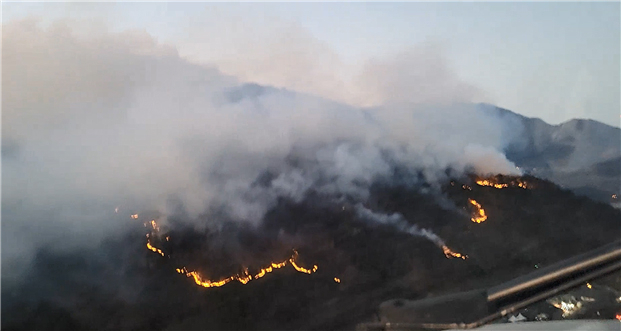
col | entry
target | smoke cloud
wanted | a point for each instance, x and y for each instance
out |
(398, 221)
(97, 121)
(280, 53)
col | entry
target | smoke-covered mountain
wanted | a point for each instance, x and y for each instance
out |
(581, 155)
(122, 285)
(143, 175)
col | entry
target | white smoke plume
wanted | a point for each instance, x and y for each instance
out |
(399, 222)
(276, 52)
(94, 121)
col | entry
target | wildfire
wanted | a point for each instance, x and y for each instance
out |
(451, 254)
(154, 249)
(134, 216)
(336, 280)
(589, 285)
(488, 182)
(618, 317)
(156, 229)
(480, 216)
(298, 268)
(245, 277)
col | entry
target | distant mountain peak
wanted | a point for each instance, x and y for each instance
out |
(571, 153)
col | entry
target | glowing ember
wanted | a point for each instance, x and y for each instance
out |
(589, 285)
(618, 317)
(336, 280)
(245, 277)
(155, 230)
(154, 249)
(491, 183)
(466, 187)
(479, 216)
(134, 216)
(451, 254)
(298, 268)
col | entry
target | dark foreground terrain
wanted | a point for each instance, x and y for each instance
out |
(123, 286)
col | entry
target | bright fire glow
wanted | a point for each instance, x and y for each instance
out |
(491, 183)
(451, 254)
(156, 229)
(479, 216)
(589, 285)
(155, 249)
(337, 280)
(245, 277)
(618, 317)
(134, 216)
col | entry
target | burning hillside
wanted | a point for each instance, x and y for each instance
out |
(479, 213)
(345, 266)
(159, 194)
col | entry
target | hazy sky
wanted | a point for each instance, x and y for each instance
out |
(555, 61)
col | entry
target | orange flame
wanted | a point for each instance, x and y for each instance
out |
(491, 183)
(336, 280)
(245, 277)
(618, 317)
(480, 216)
(154, 249)
(451, 254)
(150, 246)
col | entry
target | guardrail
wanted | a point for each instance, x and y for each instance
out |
(482, 306)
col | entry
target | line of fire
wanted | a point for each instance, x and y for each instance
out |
(245, 276)
(478, 216)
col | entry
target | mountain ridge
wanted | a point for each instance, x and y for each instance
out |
(571, 154)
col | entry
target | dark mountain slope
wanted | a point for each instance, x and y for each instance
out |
(124, 286)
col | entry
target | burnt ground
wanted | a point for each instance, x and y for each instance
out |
(123, 286)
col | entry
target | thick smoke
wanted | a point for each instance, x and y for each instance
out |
(98, 121)
(280, 53)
